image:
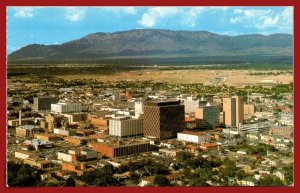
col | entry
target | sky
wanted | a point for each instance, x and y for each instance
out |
(56, 25)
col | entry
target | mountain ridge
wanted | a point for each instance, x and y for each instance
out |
(159, 43)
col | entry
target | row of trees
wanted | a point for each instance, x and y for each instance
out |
(22, 175)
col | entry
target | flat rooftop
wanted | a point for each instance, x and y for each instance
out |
(162, 103)
(121, 144)
(28, 127)
(193, 133)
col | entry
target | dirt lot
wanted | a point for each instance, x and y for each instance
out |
(208, 77)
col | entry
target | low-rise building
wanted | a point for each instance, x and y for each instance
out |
(38, 162)
(246, 182)
(85, 132)
(194, 137)
(48, 137)
(79, 168)
(74, 118)
(208, 146)
(76, 140)
(120, 149)
(64, 132)
(77, 155)
(23, 154)
(54, 121)
(101, 123)
(169, 152)
(27, 130)
(38, 144)
(16, 122)
(284, 131)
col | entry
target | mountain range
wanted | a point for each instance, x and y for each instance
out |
(158, 45)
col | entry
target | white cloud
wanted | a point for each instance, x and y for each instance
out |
(265, 19)
(287, 19)
(75, 14)
(24, 12)
(154, 15)
(260, 19)
(268, 22)
(191, 16)
(187, 16)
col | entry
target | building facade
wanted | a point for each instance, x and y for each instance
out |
(191, 104)
(234, 111)
(64, 132)
(139, 108)
(194, 137)
(66, 107)
(284, 131)
(77, 155)
(125, 127)
(117, 150)
(209, 116)
(43, 102)
(163, 120)
(74, 118)
(249, 110)
(27, 130)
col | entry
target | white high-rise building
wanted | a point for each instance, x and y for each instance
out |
(138, 108)
(125, 127)
(66, 107)
(191, 104)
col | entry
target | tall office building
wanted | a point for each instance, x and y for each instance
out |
(234, 111)
(43, 102)
(125, 127)
(163, 120)
(209, 115)
(138, 107)
(191, 104)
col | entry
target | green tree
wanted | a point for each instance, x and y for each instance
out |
(101, 177)
(160, 180)
(289, 173)
(270, 181)
(20, 175)
(70, 182)
(183, 156)
(134, 177)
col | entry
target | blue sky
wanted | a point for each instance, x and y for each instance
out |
(56, 25)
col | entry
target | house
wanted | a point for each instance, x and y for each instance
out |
(248, 181)
(208, 146)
